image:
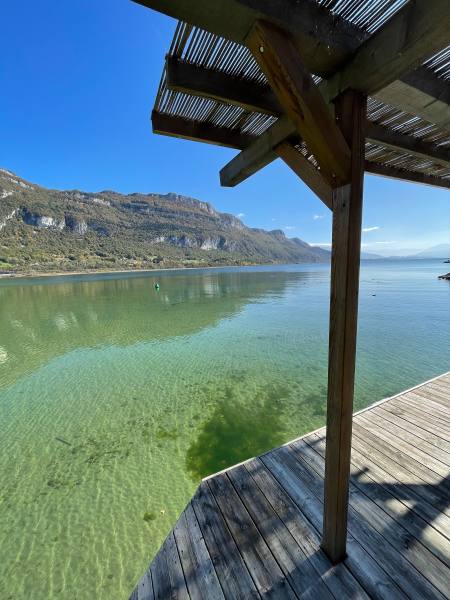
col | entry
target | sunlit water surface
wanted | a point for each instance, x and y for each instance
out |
(116, 398)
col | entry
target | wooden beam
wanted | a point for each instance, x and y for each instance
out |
(345, 259)
(256, 155)
(420, 93)
(396, 173)
(199, 132)
(408, 143)
(413, 34)
(326, 41)
(306, 171)
(188, 78)
(301, 99)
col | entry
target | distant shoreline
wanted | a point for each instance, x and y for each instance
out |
(37, 274)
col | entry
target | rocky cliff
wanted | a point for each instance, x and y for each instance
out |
(52, 230)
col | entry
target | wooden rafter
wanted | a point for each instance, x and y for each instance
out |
(386, 170)
(199, 132)
(208, 83)
(408, 143)
(301, 100)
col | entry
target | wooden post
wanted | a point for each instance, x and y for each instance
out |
(346, 249)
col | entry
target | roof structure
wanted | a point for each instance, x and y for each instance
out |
(213, 90)
(334, 88)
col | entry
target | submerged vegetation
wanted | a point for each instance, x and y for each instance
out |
(238, 429)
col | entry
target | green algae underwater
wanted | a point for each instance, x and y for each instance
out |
(116, 398)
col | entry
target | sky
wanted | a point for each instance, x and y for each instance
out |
(78, 82)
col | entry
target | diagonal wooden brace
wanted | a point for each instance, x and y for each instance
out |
(301, 100)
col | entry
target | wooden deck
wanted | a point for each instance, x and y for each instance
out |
(254, 530)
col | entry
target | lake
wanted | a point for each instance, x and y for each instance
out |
(116, 398)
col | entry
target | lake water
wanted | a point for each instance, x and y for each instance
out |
(116, 398)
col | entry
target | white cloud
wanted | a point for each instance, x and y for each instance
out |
(390, 242)
(317, 217)
(240, 215)
(366, 229)
(320, 244)
(289, 227)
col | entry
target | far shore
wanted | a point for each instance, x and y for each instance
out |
(36, 274)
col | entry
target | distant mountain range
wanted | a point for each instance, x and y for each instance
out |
(43, 230)
(441, 251)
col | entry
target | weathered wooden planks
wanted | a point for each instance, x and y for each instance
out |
(254, 531)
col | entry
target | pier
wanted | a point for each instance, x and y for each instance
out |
(255, 529)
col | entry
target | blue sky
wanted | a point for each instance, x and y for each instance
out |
(78, 81)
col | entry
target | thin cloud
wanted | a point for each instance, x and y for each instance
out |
(290, 227)
(320, 244)
(366, 229)
(390, 242)
(240, 215)
(317, 217)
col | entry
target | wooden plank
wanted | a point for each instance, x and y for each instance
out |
(326, 40)
(338, 578)
(393, 564)
(434, 412)
(399, 453)
(191, 79)
(306, 171)
(345, 260)
(396, 530)
(408, 414)
(265, 571)
(298, 571)
(405, 435)
(406, 478)
(145, 587)
(385, 170)
(199, 132)
(167, 573)
(301, 99)
(403, 488)
(201, 578)
(409, 444)
(435, 401)
(233, 575)
(413, 145)
(385, 499)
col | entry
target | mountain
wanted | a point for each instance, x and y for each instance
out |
(52, 230)
(439, 251)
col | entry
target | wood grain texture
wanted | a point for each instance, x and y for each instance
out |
(301, 99)
(345, 259)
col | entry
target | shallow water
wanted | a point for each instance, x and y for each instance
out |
(115, 399)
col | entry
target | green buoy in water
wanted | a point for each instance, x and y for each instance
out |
(156, 286)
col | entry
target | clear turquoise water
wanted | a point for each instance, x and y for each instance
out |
(115, 399)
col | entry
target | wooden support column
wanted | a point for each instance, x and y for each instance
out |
(346, 249)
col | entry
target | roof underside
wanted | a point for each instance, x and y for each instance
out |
(423, 153)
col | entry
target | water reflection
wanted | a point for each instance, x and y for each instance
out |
(41, 321)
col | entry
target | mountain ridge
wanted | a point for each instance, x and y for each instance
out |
(44, 230)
